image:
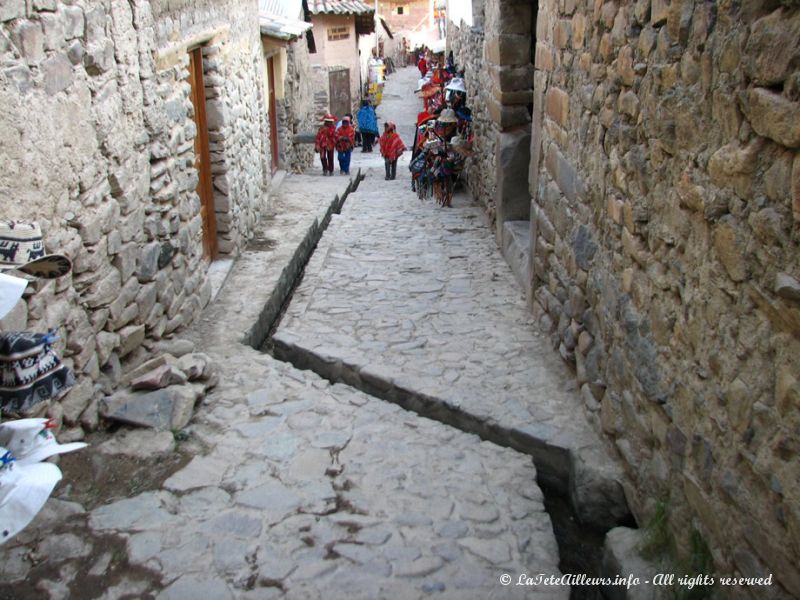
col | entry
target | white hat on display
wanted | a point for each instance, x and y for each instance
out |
(32, 441)
(457, 85)
(24, 489)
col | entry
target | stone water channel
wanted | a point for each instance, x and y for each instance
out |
(308, 484)
(413, 304)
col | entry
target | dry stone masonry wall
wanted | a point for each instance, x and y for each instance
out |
(666, 183)
(467, 44)
(98, 147)
(298, 106)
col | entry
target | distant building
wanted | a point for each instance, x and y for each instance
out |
(288, 85)
(339, 79)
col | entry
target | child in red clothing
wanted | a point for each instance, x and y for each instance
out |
(345, 140)
(391, 148)
(325, 142)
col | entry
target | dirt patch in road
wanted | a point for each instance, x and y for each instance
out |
(93, 479)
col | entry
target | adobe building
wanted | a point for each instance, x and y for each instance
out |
(287, 80)
(657, 238)
(338, 74)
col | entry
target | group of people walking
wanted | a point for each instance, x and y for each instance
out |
(342, 138)
(330, 138)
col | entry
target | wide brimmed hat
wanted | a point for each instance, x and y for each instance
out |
(32, 440)
(424, 117)
(24, 489)
(22, 248)
(329, 117)
(457, 85)
(11, 290)
(448, 115)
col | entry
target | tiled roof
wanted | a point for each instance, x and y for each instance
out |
(281, 19)
(291, 9)
(339, 7)
(282, 28)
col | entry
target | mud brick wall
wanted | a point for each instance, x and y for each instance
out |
(98, 147)
(665, 180)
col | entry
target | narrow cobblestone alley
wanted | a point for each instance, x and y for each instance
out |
(300, 485)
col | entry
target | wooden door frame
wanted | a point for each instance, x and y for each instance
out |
(205, 187)
(272, 110)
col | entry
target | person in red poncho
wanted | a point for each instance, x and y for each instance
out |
(391, 148)
(345, 141)
(325, 142)
(422, 65)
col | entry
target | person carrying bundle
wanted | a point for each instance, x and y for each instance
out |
(391, 148)
(345, 141)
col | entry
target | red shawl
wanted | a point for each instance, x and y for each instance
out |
(391, 145)
(326, 138)
(345, 138)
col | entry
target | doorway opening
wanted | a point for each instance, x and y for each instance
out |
(202, 154)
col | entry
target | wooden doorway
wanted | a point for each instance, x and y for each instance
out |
(339, 86)
(272, 108)
(202, 155)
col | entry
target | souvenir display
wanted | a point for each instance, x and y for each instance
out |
(444, 134)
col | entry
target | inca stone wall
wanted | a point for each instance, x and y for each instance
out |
(298, 105)
(98, 147)
(666, 184)
(467, 44)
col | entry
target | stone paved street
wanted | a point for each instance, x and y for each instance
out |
(304, 488)
(415, 303)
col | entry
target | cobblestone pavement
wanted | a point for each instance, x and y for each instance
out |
(297, 488)
(415, 303)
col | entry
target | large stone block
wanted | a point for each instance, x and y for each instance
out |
(557, 105)
(512, 78)
(562, 33)
(53, 27)
(659, 11)
(622, 554)
(29, 38)
(578, 31)
(104, 291)
(773, 47)
(729, 244)
(509, 49)
(515, 18)
(148, 262)
(12, 9)
(565, 175)
(57, 72)
(507, 117)
(624, 66)
(679, 20)
(774, 116)
(512, 159)
(733, 166)
(73, 22)
(523, 97)
(130, 338)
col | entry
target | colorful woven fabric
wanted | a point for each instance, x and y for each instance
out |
(345, 138)
(391, 145)
(326, 138)
(31, 371)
